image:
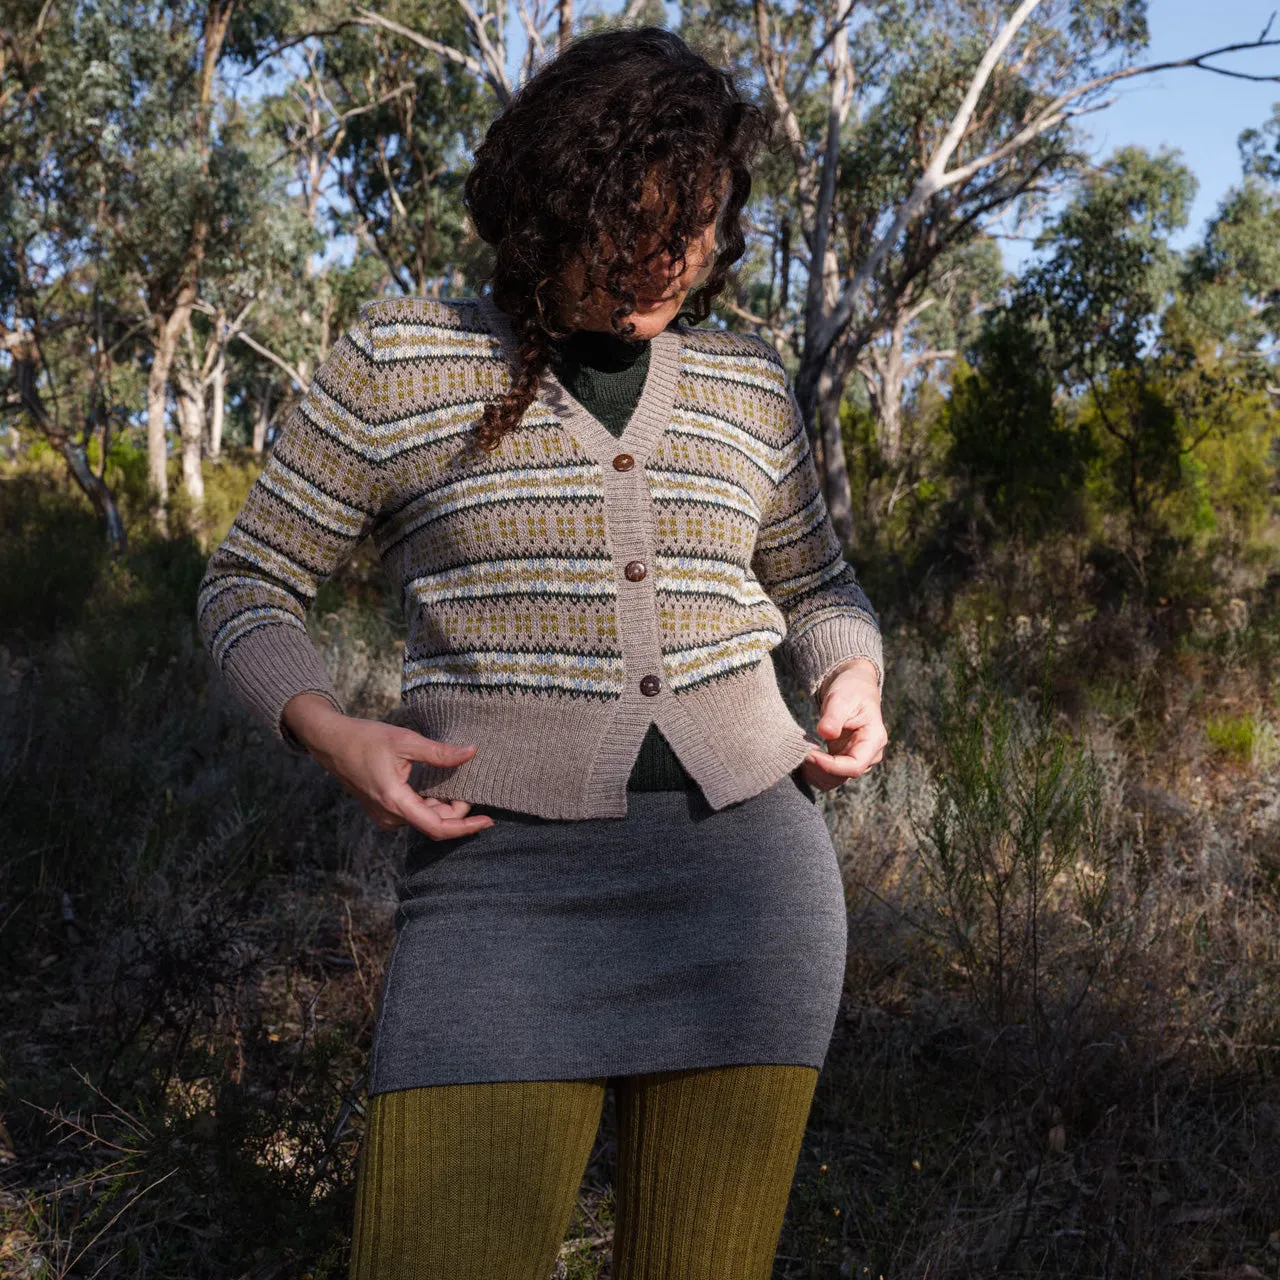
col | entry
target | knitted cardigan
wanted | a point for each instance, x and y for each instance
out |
(566, 590)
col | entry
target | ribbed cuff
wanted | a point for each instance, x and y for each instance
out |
(816, 653)
(268, 666)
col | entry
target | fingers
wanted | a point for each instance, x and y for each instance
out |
(456, 808)
(865, 748)
(851, 697)
(846, 709)
(439, 821)
(434, 817)
(841, 767)
(392, 802)
(413, 746)
(853, 729)
(817, 777)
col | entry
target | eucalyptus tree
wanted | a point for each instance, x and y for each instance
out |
(1260, 149)
(397, 122)
(164, 184)
(65, 332)
(244, 284)
(932, 320)
(1109, 304)
(1109, 271)
(143, 153)
(1231, 287)
(910, 127)
(1098, 297)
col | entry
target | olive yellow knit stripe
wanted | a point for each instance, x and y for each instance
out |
(479, 1181)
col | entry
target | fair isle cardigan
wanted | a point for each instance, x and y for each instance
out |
(565, 590)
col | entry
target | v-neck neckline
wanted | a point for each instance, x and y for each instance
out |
(648, 419)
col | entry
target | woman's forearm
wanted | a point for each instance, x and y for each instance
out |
(311, 718)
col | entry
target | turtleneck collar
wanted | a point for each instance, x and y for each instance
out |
(597, 349)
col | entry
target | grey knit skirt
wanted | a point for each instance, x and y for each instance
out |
(675, 937)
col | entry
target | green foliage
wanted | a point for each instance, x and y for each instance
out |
(1244, 738)
(56, 576)
(126, 473)
(225, 488)
(1260, 148)
(1097, 294)
(1184, 447)
(1231, 282)
(1119, 392)
(51, 557)
(1008, 438)
(400, 157)
(1014, 839)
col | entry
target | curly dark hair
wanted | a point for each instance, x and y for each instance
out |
(562, 173)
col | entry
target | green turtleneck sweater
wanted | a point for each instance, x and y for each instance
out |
(606, 374)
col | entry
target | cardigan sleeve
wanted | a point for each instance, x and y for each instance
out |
(799, 561)
(313, 501)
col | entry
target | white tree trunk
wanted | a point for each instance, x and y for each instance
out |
(835, 472)
(261, 418)
(157, 403)
(217, 410)
(887, 388)
(191, 422)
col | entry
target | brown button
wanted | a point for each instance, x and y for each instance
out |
(650, 685)
(635, 570)
(623, 462)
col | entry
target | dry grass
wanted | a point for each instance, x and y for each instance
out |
(1125, 1121)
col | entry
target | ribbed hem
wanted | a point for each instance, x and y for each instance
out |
(556, 759)
(822, 648)
(269, 665)
(533, 754)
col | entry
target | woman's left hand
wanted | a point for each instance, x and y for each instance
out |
(851, 726)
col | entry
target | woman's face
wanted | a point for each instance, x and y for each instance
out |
(659, 294)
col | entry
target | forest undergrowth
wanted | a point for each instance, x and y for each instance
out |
(1058, 1052)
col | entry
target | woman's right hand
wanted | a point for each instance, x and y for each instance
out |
(373, 760)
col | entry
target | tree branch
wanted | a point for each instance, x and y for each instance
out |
(929, 183)
(782, 104)
(825, 280)
(500, 86)
(340, 119)
(299, 380)
(537, 49)
(494, 69)
(784, 332)
(935, 177)
(915, 360)
(301, 37)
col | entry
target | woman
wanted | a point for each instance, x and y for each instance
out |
(603, 519)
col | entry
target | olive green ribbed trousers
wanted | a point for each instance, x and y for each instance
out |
(479, 1181)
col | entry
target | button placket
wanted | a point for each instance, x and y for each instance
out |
(643, 648)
